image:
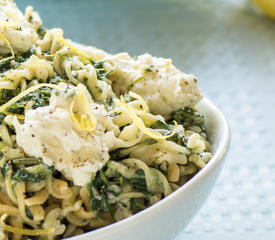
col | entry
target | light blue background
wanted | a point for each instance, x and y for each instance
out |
(232, 52)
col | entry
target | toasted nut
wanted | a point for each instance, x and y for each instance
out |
(173, 173)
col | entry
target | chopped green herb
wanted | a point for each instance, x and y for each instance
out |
(138, 181)
(160, 125)
(188, 117)
(6, 65)
(17, 108)
(46, 52)
(4, 170)
(22, 175)
(24, 56)
(166, 129)
(2, 116)
(29, 214)
(148, 70)
(41, 32)
(57, 79)
(114, 114)
(158, 167)
(100, 188)
(100, 70)
(138, 204)
(7, 94)
(134, 82)
(108, 103)
(40, 98)
(36, 173)
(114, 155)
(26, 161)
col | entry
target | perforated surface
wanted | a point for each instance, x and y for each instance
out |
(232, 52)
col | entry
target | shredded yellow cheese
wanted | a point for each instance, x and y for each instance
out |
(27, 91)
(148, 131)
(9, 46)
(23, 231)
(87, 121)
(84, 57)
(142, 102)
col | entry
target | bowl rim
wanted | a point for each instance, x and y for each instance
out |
(220, 152)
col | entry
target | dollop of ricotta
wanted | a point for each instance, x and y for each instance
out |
(49, 133)
(16, 29)
(157, 80)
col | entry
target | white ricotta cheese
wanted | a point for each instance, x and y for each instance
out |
(49, 133)
(15, 28)
(157, 80)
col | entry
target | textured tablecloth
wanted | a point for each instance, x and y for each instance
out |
(231, 50)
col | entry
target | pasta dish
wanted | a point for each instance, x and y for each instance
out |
(87, 138)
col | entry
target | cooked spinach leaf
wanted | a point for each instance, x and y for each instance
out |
(188, 117)
(2, 116)
(138, 203)
(22, 175)
(41, 32)
(40, 98)
(167, 129)
(36, 173)
(100, 188)
(57, 79)
(5, 168)
(138, 181)
(26, 161)
(6, 65)
(29, 213)
(7, 94)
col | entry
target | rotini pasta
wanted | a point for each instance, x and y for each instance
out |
(75, 154)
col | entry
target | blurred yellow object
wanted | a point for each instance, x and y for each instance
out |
(267, 6)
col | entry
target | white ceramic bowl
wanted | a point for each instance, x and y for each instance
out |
(165, 219)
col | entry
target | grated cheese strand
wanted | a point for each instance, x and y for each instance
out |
(27, 91)
(142, 102)
(23, 231)
(9, 46)
(85, 58)
(148, 131)
(86, 122)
